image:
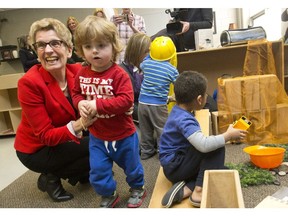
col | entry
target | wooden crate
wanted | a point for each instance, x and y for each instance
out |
(222, 189)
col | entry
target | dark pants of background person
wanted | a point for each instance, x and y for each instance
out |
(189, 165)
(151, 121)
(67, 160)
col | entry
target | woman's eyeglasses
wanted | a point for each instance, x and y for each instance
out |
(54, 44)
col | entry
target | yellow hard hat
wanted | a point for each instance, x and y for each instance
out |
(162, 48)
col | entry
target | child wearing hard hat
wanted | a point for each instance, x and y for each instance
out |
(159, 72)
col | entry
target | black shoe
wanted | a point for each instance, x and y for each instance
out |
(144, 156)
(109, 201)
(52, 185)
(84, 179)
(174, 195)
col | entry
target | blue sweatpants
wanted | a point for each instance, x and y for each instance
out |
(125, 153)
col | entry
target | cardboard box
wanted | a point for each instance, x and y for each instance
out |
(203, 39)
(222, 189)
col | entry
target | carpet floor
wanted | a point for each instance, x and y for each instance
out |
(23, 192)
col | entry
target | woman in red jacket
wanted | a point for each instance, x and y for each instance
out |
(49, 138)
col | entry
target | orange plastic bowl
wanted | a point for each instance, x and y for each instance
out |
(267, 157)
(252, 148)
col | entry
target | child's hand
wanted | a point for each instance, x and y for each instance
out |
(130, 111)
(234, 134)
(83, 108)
(91, 107)
(171, 98)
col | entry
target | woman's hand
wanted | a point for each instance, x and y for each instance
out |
(86, 122)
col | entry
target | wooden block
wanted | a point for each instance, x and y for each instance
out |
(282, 124)
(250, 93)
(203, 116)
(222, 189)
(268, 85)
(232, 97)
(215, 122)
(221, 121)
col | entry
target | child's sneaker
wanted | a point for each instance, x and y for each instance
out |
(109, 201)
(137, 196)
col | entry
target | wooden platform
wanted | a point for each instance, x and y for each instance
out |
(162, 184)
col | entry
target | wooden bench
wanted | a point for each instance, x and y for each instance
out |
(162, 184)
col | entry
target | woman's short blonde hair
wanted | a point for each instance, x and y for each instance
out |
(94, 28)
(47, 24)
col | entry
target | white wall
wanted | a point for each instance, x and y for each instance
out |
(224, 16)
(270, 21)
(155, 18)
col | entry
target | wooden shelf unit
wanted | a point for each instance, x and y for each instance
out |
(226, 60)
(10, 110)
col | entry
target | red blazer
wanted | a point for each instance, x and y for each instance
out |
(45, 110)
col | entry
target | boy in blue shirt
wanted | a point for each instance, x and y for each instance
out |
(185, 152)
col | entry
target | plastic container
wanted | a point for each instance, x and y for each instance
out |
(254, 147)
(266, 157)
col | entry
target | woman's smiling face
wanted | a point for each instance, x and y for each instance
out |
(55, 57)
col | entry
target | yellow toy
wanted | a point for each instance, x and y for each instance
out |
(243, 123)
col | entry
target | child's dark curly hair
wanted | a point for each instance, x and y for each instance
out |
(189, 85)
